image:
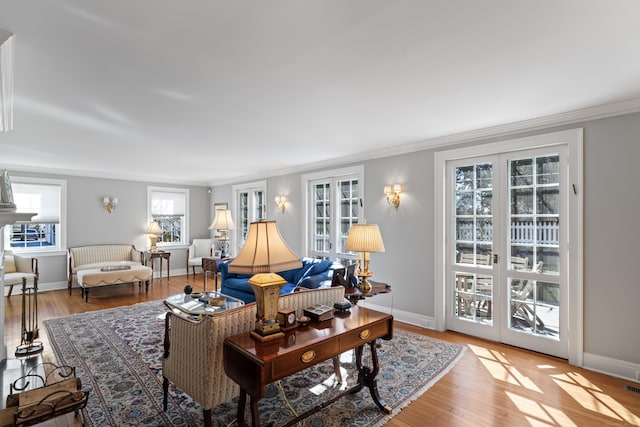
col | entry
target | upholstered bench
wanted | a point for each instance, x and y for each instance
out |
(113, 275)
(104, 257)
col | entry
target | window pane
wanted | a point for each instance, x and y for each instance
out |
(45, 199)
(171, 227)
(33, 235)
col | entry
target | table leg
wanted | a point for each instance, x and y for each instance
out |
(168, 269)
(242, 401)
(255, 416)
(367, 376)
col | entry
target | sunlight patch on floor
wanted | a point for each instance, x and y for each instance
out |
(594, 399)
(500, 368)
(540, 414)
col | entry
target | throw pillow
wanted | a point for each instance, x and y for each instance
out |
(9, 264)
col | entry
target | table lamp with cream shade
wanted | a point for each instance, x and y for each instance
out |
(263, 253)
(364, 239)
(153, 232)
(223, 222)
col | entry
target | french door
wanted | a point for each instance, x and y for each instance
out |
(506, 250)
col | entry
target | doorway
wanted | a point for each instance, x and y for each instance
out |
(508, 216)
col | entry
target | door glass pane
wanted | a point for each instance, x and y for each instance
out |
(473, 292)
(322, 204)
(535, 307)
(534, 244)
(348, 210)
(473, 221)
(473, 297)
(535, 207)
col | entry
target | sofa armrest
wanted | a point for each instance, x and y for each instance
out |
(190, 250)
(137, 255)
(26, 264)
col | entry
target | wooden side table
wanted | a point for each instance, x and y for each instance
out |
(355, 294)
(161, 255)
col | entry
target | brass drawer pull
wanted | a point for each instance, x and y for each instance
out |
(365, 334)
(308, 356)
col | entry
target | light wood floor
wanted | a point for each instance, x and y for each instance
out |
(492, 385)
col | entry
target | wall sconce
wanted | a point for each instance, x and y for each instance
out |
(110, 203)
(393, 194)
(281, 203)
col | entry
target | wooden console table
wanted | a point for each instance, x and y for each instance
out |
(253, 365)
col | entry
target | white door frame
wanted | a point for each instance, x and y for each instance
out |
(573, 138)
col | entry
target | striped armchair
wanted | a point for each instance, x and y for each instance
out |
(193, 349)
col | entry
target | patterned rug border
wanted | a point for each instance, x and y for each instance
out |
(183, 417)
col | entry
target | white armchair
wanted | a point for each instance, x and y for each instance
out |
(199, 248)
(16, 267)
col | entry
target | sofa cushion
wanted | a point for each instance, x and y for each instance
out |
(223, 267)
(16, 278)
(9, 264)
(237, 283)
(314, 281)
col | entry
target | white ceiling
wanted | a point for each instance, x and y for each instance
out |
(207, 91)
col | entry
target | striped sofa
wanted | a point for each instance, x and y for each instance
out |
(88, 263)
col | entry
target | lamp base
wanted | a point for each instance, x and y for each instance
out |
(365, 286)
(223, 246)
(153, 239)
(266, 287)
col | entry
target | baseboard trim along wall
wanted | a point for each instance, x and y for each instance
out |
(614, 367)
(403, 316)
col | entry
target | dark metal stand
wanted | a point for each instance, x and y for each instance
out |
(28, 346)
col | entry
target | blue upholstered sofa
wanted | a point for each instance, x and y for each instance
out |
(312, 273)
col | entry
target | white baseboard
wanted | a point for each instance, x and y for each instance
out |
(403, 316)
(42, 287)
(614, 367)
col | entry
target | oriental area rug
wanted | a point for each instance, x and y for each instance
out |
(118, 356)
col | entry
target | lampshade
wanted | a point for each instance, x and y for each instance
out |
(222, 220)
(153, 228)
(264, 251)
(364, 238)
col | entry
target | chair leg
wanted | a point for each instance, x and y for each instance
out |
(336, 368)
(207, 417)
(165, 390)
(10, 290)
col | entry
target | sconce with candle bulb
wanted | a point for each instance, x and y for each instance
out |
(281, 202)
(393, 194)
(110, 203)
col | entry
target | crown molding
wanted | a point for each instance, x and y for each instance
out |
(100, 174)
(571, 117)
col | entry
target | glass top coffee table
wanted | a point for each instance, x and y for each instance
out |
(202, 303)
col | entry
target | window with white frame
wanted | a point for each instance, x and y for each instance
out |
(46, 230)
(170, 208)
(250, 206)
(334, 200)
